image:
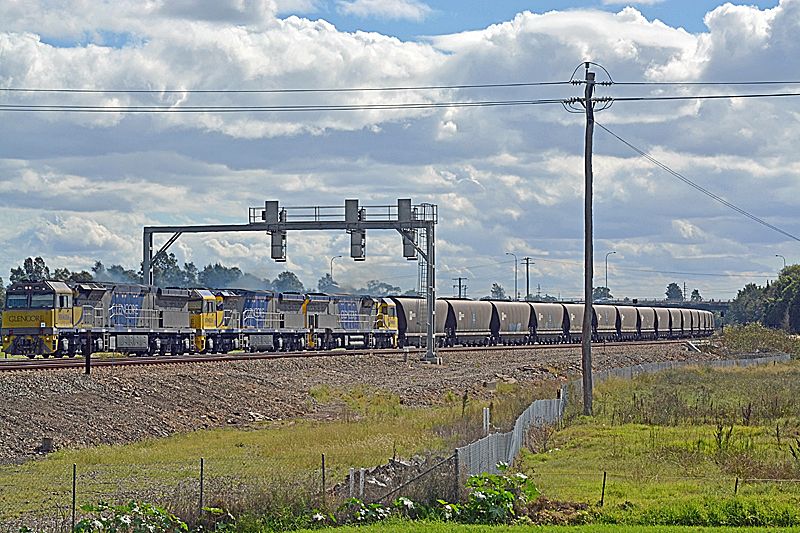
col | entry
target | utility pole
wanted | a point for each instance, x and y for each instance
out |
(528, 263)
(460, 285)
(684, 291)
(586, 340)
(516, 291)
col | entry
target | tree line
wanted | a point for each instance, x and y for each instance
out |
(775, 305)
(167, 272)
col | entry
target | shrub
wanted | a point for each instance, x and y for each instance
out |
(497, 498)
(132, 517)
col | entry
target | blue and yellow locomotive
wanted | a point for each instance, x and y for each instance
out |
(53, 318)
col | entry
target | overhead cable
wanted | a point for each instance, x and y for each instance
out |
(284, 91)
(703, 190)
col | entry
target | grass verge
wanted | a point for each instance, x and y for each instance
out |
(689, 446)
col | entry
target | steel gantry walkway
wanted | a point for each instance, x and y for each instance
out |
(415, 223)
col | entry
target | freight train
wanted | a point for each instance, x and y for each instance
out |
(53, 318)
(489, 323)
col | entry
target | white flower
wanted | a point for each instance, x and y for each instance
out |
(479, 495)
(318, 517)
(520, 476)
(408, 504)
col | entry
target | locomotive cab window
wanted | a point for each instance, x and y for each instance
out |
(42, 301)
(16, 301)
(64, 301)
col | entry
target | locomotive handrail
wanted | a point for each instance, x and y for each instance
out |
(133, 316)
(260, 319)
(363, 322)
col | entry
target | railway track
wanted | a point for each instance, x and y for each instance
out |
(79, 362)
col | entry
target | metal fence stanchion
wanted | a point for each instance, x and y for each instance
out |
(202, 482)
(74, 487)
(323, 480)
(603, 492)
(457, 484)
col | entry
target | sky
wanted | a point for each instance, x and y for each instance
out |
(77, 187)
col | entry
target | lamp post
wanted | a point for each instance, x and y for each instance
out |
(784, 259)
(332, 258)
(608, 292)
(515, 273)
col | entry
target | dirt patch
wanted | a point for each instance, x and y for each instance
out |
(128, 404)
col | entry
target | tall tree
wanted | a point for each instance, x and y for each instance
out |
(674, 293)
(696, 297)
(287, 281)
(168, 273)
(63, 274)
(219, 277)
(601, 293)
(749, 305)
(498, 292)
(31, 270)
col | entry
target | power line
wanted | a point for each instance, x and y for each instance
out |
(284, 91)
(696, 97)
(652, 271)
(269, 109)
(701, 83)
(68, 108)
(698, 187)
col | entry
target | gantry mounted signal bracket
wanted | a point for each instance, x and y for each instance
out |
(406, 218)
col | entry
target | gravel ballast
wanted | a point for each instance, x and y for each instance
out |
(130, 403)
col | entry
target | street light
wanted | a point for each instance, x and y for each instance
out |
(784, 259)
(332, 258)
(608, 292)
(515, 273)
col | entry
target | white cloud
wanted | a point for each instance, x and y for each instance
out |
(387, 9)
(504, 178)
(630, 3)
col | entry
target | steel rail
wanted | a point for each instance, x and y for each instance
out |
(79, 362)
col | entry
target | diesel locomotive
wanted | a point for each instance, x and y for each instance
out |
(53, 318)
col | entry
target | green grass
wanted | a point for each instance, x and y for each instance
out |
(284, 453)
(438, 527)
(673, 444)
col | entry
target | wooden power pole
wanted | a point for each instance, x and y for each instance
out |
(586, 340)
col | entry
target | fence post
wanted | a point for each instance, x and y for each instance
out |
(457, 466)
(603, 493)
(486, 420)
(736, 487)
(202, 482)
(74, 486)
(323, 480)
(352, 482)
(361, 484)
